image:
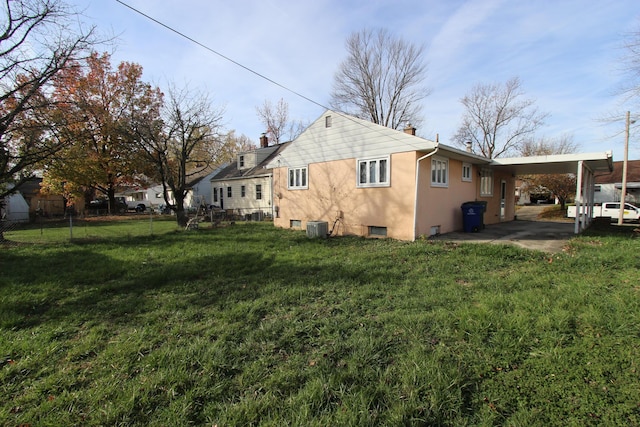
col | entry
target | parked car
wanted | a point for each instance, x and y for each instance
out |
(138, 205)
(609, 209)
(103, 205)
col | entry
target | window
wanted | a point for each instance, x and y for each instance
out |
(241, 161)
(298, 178)
(439, 172)
(242, 191)
(295, 223)
(258, 191)
(215, 195)
(327, 121)
(377, 231)
(466, 172)
(486, 182)
(228, 191)
(373, 172)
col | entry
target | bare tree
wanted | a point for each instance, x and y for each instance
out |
(562, 186)
(498, 119)
(37, 41)
(277, 122)
(548, 146)
(630, 89)
(182, 145)
(381, 79)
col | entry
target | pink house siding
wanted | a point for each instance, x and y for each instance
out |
(333, 196)
(440, 206)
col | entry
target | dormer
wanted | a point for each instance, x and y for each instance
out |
(251, 159)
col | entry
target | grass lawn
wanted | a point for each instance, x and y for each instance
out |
(251, 325)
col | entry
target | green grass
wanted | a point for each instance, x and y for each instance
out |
(250, 325)
(60, 231)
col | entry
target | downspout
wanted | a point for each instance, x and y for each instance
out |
(415, 201)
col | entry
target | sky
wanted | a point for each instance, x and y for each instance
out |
(567, 54)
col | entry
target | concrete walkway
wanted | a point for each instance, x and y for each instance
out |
(526, 232)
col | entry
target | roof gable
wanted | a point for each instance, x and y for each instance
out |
(344, 137)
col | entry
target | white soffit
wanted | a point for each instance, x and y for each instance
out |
(557, 163)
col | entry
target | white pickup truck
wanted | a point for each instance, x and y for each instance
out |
(609, 209)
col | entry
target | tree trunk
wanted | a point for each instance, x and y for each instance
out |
(111, 195)
(181, 214)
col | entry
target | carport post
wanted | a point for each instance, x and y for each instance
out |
(584, 197)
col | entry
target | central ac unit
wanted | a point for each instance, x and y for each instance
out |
(317, 229)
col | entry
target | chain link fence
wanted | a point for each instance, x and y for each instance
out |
(40, 230)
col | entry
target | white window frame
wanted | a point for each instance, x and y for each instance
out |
(372, 176)
(298, 178)
(439, 172)
(258, 191)
(486, 182)
(467, 172)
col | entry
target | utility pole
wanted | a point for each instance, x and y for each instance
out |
(623, 192)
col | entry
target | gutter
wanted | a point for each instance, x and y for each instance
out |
(415, 200)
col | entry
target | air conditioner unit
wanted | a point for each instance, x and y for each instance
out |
(317, 229)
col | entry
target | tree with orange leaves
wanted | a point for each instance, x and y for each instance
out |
(95, 103)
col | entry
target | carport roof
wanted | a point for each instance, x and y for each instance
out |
(557, 163)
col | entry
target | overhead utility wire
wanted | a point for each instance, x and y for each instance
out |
(262, 76)
(221, 55)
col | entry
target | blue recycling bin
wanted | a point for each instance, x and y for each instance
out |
(472, 216)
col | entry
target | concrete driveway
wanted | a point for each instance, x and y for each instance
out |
(526, 232)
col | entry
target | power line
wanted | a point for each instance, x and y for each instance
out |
(215, 52)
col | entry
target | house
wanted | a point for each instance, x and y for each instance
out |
(14, 208)
(245, 185)
(608, 185)
(46, 205)
(199, 193)
(369, 180)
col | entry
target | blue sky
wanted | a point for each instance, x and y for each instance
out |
(566, 53)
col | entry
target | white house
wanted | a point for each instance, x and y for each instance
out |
(14, 208)
(245, 185)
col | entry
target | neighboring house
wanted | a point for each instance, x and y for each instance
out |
(199, 192)
(14, 208)
(369, 180)
(45, 205)
(245, 185)
(609, 184)
(200, 185)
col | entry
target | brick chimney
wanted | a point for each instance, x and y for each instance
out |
(264, 141)
(410, 130)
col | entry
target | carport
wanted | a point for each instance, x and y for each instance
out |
(584, 166)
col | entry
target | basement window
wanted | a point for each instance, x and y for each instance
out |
(295, 223)
(375, 231)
